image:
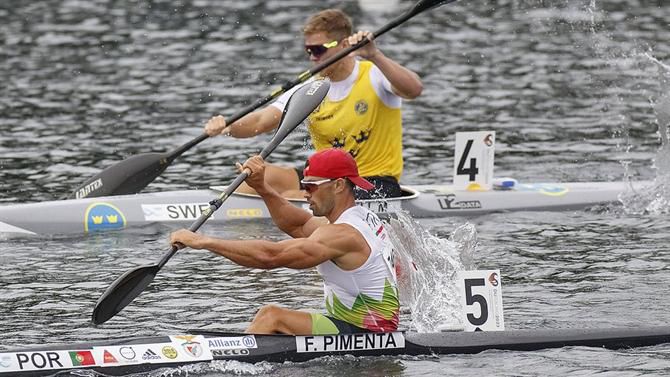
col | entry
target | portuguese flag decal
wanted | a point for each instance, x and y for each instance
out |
(82, 358)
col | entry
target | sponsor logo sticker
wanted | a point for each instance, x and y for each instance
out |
(449, 202)
(150, 354)
(227, 343)
(314, 86)
(6, 361)
(231, 352)
(127, 353)
(108, 358)
(544, 188)
(103, 216)
(350, 342)
(244, 212)
(169, 352)
(192, 346)
(88, 189)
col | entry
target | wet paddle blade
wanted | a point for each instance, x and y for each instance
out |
(299, 106)
(129, 176)
(123, 291)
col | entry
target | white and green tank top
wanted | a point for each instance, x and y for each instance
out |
(366, 297)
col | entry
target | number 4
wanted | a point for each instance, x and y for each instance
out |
(472, 171)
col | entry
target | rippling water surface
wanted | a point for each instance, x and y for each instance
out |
(574, 90)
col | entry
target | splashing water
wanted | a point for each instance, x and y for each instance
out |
(655, 200)
(428, 267)
(662, 107)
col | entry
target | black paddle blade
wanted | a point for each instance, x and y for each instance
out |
(129, 176)
(135, 173)
(123, 291)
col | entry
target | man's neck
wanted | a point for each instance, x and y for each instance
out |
(338, 210)
(343, 69)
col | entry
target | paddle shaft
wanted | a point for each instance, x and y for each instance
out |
(317, 91)
(129, 285)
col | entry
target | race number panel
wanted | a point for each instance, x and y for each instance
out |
(481, 299)
(473, 160)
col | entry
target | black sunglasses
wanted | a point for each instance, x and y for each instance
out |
(318, 50)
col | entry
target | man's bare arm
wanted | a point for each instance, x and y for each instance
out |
(297, 253)
(252, 124)
(292, 220)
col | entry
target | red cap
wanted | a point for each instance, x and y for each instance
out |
(335, 163)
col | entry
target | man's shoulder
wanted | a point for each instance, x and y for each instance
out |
(333, 228)
(382, 86)
(336, 234)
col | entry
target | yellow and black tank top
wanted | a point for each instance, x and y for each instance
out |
(362, 116)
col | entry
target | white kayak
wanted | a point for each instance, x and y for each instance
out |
(79, 216)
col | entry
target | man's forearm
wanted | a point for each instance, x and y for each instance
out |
(407, 83)
(255, 123)
(253, 254)
(243, 128)
(287, 216)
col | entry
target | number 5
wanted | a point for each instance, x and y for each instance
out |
(477, 298)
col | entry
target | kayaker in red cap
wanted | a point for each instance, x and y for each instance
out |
(346, 243)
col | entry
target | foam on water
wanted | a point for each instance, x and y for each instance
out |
(428, 269)
(214, 368)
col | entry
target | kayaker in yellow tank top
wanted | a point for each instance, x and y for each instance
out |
(361, 113)
(362, 124)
